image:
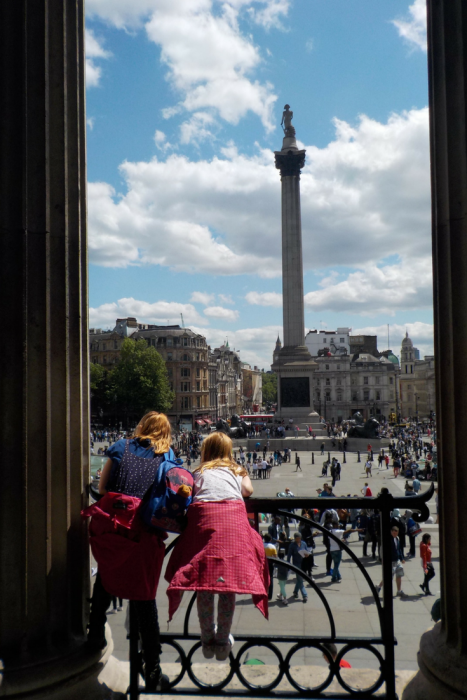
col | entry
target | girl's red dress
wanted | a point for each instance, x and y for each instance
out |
(219, 552)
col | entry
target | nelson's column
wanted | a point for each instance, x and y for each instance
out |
(293, 364)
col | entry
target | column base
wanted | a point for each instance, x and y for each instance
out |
(443, 671)
(78, 676)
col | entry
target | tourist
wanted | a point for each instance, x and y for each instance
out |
(275, 529)
(295, 548)
(218, 522)
(130, 470)
(397, 559)
(366, 491)
(427, 566)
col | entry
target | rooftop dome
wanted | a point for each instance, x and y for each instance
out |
(407, 342)
(392, 358)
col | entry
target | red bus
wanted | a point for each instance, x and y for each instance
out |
(258, 418)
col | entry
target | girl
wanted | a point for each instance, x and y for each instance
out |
(218, 552)
(428, 569)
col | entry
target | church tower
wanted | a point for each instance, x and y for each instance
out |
(277, 349)
(407, 356)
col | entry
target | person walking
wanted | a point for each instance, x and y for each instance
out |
(397, 561)
(322, 448)
(427, 566)
(297, 463)
(282, 571)
(295, 548)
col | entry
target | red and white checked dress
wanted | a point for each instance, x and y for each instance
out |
(219, 552)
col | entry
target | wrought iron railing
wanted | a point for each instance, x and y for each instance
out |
(386, 640)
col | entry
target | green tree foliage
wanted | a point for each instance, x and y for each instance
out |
(139, 382)
(99, 384)
(269, 388)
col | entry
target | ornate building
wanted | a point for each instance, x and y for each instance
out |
(417, 382)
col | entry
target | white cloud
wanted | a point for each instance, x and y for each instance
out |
(123, 14)
(309, 45)
(271, 14)
(256, 345)
(220, 312)
(197, 128)
(202, 298)
(420, 333)
(94, 50)
(90, 122)
(374, 290)
(225, 299)
(159, 313)
(413, 29)
(264, 299)
(210, 62)
(365, 197)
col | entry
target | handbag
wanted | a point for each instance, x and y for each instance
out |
(414, 529)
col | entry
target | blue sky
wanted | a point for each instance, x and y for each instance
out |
(184, 102)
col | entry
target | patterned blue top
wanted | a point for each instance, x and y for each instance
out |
(134, 466)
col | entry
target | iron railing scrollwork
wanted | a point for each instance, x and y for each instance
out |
(384, 503)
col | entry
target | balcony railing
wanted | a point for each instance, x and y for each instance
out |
(285, 646)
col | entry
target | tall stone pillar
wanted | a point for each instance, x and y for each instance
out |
(293, 363)
(443, 650)
(44, 397)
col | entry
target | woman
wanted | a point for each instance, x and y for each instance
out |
(130, 470)
(427, 566)
(218, 552)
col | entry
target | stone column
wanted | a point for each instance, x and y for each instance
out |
(443, 650)
(44, 397)
(289, 163)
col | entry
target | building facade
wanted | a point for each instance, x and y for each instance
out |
(417, 382)
(322, 342)
(228, 381)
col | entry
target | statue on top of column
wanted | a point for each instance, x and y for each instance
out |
(286, 123)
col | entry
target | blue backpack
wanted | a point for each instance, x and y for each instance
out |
(167, 500)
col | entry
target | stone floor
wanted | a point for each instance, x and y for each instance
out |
(351, 602)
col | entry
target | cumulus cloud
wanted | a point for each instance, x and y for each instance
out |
(413, 28)
(226, 298)
(94, 50)
(123, 14)
(159, 313)
(221, 312)
(198, 128)
(420, 333)
(90, 122)
(373, 290)
(264, 299)
(202, 298)
(256, 345)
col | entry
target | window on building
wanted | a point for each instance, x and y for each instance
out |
(186, 402)
(327, 366)
(317, 382)
(185, 358)
(198, 402)
(365, 380)
(324, 340)
(198, 386)
(169, 357)
(185, 342)
(198, 372)
(328, 382)
(339, 395)
(197, 357)
(341, 340)
(366, 395)
(185, 371)
(318, 395)
(104, 346)
(204, 373)
(376, 380)
(378, 396)
(95, 360)
(391, 380)
(115, 344)
(411, 369)
(170, 342)
(338, 382)
(104, 359)
(170, 372)
(205, 384)
(328, 395)
(354, 396)
(185, 386)
(338, 366)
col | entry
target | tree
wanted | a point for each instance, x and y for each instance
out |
(139, 382)
(99, 384)
(269, 387)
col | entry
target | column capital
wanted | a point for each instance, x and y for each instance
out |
(289, 162)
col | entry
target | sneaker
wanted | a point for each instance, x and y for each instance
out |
(401, 594)
(120, 608)
(378, 589)
(278, 596)
(157, 681)
(223, 650)
(423, 588)
(285, 601)
(295, 595)
(112, 612)
(208, 649)
(305, 600)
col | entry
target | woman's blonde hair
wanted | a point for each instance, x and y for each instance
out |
(155, 427)
(216, 452)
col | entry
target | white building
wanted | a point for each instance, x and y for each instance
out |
(320, 343)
